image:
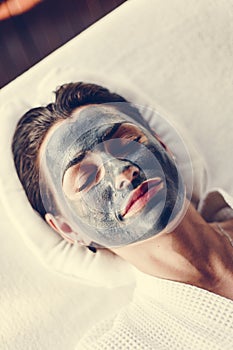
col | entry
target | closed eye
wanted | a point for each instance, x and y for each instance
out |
(87, 175)
(122, 146)
(81, 177)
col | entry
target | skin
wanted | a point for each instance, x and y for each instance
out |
(193, 252)
(16, 7)
(112, 176)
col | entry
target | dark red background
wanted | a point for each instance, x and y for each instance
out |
(26, 39)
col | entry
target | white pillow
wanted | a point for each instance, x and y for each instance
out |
(102, 268)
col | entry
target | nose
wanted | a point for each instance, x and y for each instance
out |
(126, 176)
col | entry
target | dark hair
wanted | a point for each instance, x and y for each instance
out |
(33, 126)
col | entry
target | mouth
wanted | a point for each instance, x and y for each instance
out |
(141, 196)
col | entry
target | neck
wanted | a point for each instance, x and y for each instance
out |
(192, 253)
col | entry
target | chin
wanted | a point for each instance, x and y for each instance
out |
(156, 217)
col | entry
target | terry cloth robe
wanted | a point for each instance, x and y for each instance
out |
(164, 314)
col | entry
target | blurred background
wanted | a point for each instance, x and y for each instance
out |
(31, 29)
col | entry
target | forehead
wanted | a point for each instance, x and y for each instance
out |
(83, 119)
(53, 129)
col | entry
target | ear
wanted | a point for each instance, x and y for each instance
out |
(60, 226)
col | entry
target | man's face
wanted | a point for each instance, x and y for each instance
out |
(112, 177)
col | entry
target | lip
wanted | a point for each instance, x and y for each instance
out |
(141, 196)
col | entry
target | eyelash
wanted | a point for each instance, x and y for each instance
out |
(132, 141)
(122, 148)
(89, 179)
(86, 183)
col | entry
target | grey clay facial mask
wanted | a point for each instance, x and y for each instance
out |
(110, 178)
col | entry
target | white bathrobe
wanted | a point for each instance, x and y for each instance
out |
(170, 315)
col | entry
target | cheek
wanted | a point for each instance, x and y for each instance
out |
(101, 207)
(92, 204)
(80, 207)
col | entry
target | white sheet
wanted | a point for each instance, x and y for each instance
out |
(40, 309)
(180, 56)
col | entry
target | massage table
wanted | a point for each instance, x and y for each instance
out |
(175, 56)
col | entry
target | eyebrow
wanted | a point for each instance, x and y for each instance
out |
(112, 131)
(73, 162)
